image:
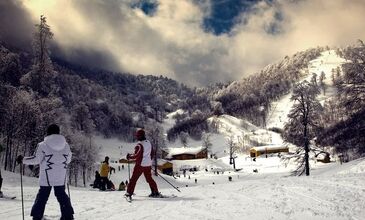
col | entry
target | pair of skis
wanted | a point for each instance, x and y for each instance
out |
(130, 199)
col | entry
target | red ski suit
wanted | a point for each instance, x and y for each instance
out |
(139, 169)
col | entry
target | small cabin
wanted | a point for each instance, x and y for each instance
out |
(270, 149)
(184, 153)
(123, 160)
(165, 167)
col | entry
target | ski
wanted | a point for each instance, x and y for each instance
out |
(164, 196)
(8, 197)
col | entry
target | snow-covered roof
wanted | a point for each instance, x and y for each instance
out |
(182, 150)
(269, 147)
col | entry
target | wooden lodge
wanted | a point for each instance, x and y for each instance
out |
(270, 149)
(184, 153)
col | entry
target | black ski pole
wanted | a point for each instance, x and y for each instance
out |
(129, 172)
(168, 182)
(21, 187)
(68, 184)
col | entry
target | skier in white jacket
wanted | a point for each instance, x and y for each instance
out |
(53, 155)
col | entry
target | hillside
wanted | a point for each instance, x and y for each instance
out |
(327, 63)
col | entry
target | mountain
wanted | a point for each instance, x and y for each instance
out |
(252, 97)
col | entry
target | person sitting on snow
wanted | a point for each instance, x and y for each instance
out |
(97, 180)
(53, 155)
(121, 186)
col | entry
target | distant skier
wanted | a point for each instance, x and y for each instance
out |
(53, 154)
(143, 157)
(104, 172)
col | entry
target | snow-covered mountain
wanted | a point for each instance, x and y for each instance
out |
(328, 62)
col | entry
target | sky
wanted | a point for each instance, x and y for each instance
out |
(196, 42)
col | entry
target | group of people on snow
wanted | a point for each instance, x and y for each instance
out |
(53, 155)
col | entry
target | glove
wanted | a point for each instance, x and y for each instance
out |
(19, 159)
(128, 156)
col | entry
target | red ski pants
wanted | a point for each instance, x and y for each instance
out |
(137, 172)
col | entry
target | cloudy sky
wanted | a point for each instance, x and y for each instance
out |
(194, 41)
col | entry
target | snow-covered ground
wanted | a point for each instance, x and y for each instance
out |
(333, 191)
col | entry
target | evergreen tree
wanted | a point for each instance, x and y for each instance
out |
(322, 84)
(42, 73)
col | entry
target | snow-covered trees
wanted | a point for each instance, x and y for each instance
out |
(303, 119)
(322, 84)
(347, 128)
(81, 119)
(42, 71)
(251, 97)
(155, 135)
(233, 148)
(206, 142)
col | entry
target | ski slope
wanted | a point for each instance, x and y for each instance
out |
(332, 191)
(328, 61)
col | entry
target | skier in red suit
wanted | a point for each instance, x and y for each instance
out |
(143, 158)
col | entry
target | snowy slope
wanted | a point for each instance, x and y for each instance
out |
(328, 61)
(332, 192)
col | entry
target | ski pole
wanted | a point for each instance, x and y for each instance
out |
(168, 182)
(129, 172)
(21, 187)
(68, 185)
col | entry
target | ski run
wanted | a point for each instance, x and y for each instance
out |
(333, 191)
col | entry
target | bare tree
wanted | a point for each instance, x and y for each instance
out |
(207, 144)
(233, 148)
(303, 119)
(155, 134)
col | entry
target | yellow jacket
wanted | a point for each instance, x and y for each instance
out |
(104, 170)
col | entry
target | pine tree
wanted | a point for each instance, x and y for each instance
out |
(42, 73)
(322, 84)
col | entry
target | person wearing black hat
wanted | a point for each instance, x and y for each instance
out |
(143, 158)
(53, 155)
(104, 172)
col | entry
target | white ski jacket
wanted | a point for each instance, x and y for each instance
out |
(53, 154)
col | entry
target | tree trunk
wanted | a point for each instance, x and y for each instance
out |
(84, 175)
(306, 149)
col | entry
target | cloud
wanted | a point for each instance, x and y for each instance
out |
(15, 24)
(173, 41)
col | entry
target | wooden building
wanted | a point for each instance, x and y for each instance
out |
(269, 149)
(184, 153)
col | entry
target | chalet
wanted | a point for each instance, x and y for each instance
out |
(269, 149)
(123, 160)
(184, 153)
